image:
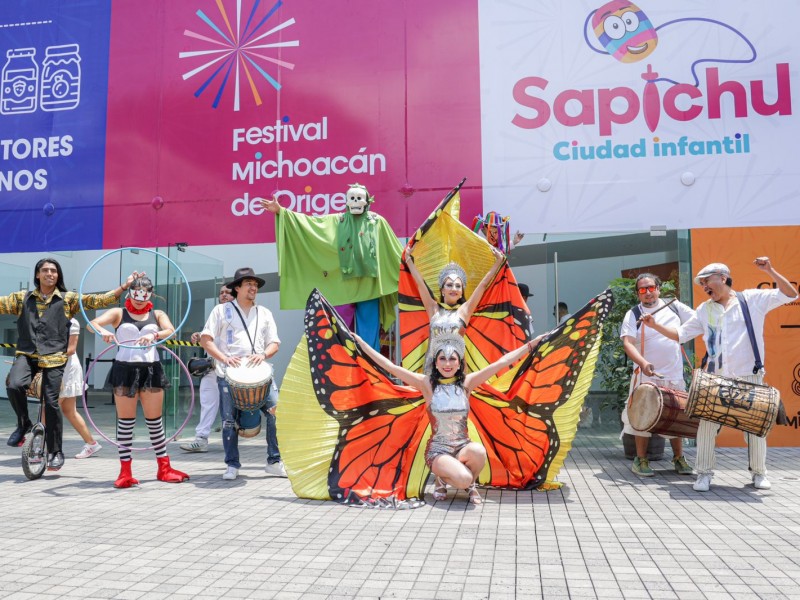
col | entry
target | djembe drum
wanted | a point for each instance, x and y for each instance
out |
(249, 387)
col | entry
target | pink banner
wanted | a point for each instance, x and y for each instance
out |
(213, 104)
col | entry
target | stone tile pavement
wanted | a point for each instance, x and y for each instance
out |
(606, 534)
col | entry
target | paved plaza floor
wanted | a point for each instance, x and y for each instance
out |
(606, 534)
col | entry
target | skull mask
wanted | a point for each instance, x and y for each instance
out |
(357, 199)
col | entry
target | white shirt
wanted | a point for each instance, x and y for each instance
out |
(662, 352)
(725, 333)
(230, 335)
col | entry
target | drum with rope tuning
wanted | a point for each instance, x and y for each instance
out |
(660, 410)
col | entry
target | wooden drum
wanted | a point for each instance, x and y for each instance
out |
(660, 410)
(746, 406)
(249, 385)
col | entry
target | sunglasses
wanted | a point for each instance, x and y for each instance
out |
(648, 288)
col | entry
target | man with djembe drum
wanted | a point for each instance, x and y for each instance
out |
(732, 351)
(240, 336)
(658, 361)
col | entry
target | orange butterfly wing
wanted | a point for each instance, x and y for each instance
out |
(414, 322)
(381, 424)
(520, 428)
(501, 322)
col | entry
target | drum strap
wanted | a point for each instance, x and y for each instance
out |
(781, 418)
(638, 370)
(748, 322)
(686, 357)
(244, 323)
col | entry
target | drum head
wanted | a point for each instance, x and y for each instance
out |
(644, 409)
(249, 375)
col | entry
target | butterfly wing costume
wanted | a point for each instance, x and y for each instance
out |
(350, 434)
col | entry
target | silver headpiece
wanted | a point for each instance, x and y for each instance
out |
(451, 271)
(448, 344)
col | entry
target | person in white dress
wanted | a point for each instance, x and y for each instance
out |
(72, 386)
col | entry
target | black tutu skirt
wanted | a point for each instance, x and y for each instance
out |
(127, 379)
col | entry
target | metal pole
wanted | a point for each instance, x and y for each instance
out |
(555, 278)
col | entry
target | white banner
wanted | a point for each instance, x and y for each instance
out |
(618, 117)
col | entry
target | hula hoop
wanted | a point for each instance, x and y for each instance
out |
(172, 262)
(108, 439)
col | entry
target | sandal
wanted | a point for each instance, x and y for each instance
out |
(439, 489)
(474, 494)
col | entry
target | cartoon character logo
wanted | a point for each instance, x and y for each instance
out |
(624, 31)
(627, 33)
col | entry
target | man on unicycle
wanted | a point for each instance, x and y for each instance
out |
(42, 338)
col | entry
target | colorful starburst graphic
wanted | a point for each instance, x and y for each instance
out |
(239, 52)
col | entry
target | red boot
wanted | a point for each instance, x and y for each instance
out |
(125, 479)
(167, 473)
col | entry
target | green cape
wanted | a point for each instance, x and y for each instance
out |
(308, 258)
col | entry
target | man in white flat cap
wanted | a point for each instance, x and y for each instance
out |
(721, 322)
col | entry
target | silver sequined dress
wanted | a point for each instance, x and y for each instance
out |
(448, 411)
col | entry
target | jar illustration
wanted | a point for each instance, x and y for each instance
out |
(19, 82)
(61, 78)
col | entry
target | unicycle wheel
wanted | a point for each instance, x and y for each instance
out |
(34, 455)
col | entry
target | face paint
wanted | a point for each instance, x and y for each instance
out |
(624, 31)
(139, 295)
(491, 235)
(453, 282)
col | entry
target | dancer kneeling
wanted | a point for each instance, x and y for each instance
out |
(137, 375)
(454, 459)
